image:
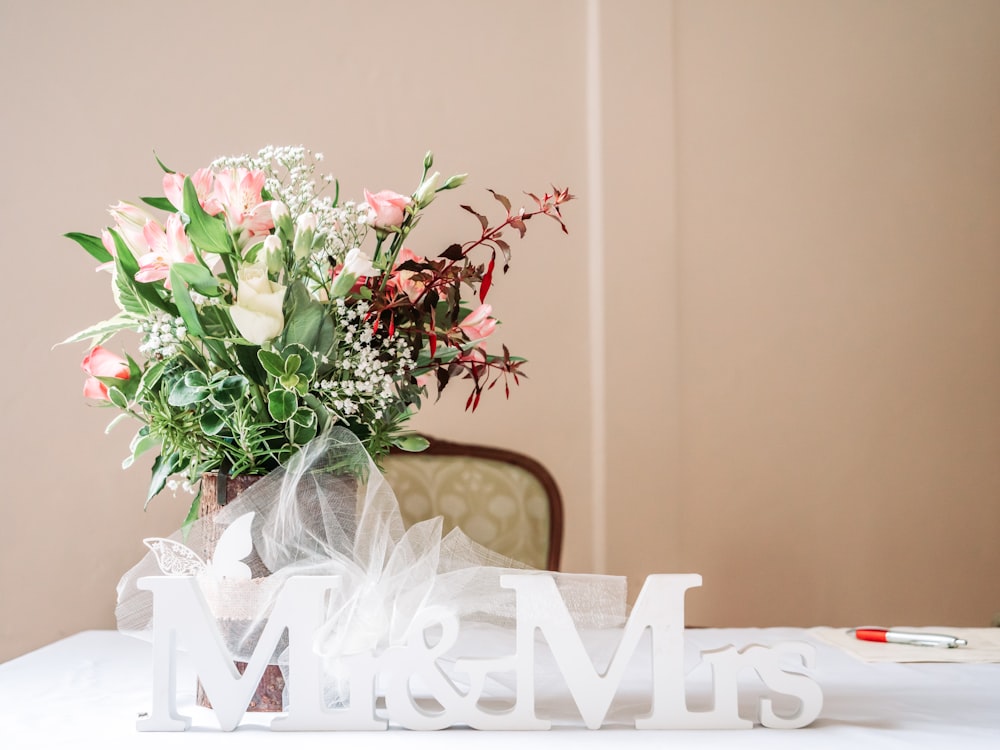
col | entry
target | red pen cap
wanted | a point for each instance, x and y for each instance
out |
(871, 634)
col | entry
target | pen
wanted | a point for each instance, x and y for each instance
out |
(882, 635)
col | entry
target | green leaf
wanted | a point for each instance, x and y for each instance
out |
(159, 202)
(250, 253)
(304, 361)
(152, 376)
(101, 332)
(116, 397)
(292, 382)
(247, 356)
(198, 278)
(193, 513)
(302, 427)
(412, 443)
(151, 293)
(304, 418)
(127, 296)
(229, 390)
(163, 166)
(443, 355)
(135, 296)
(163, 467)
(114, 422)
(92, 245)
(123, 255)
(185, 305)
(129, 386)
(292, 362)
(206, 231)
(272, 362)
(321, 412)
(303, 317)
(282, 404)
(195, 379)
(219, 354)
(191, 389)
(215, 321)
(140, 444)
(212, 423)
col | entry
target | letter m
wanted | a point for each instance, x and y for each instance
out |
(660, 607)
(181, 615)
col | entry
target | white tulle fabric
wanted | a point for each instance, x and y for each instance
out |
(330, 512)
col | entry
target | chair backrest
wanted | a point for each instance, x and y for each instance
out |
(504, 500)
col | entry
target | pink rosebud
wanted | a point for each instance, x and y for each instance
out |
(387, 208)
(100, 363)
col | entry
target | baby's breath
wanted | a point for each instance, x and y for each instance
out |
(161, 336)
(290, 179)
(364, 379)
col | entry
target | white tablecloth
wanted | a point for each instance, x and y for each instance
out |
(86, 691)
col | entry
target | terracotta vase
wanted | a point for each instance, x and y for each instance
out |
(267, 696)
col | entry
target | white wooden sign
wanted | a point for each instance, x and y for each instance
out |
(182, 615)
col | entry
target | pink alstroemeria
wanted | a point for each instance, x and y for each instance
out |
(130, 223)
(166, 246)
(109, 244)
(408, 282)
(478, 324)
(100, 363)
(238, 192)
(204, 184)
(387, 208)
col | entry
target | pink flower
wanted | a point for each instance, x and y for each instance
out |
(203, 180)
(238, 191)
(387, 208)
(409, 283)
(166, 246)
(100, 363)
(478, 324)
(130, 221)
(109, 244)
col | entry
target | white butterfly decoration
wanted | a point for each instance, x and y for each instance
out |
(234, 544)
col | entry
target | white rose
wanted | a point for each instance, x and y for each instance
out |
(257, 310)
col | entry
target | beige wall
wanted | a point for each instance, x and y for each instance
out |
(769, 351)
(839, 241)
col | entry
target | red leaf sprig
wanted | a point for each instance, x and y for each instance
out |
(433, 316)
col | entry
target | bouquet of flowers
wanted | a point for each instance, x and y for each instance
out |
(268, 310)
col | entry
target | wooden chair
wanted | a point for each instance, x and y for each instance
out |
(504, 500)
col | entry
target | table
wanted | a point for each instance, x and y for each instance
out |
(87, 690)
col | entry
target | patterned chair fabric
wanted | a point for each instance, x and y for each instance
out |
(506, 501)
